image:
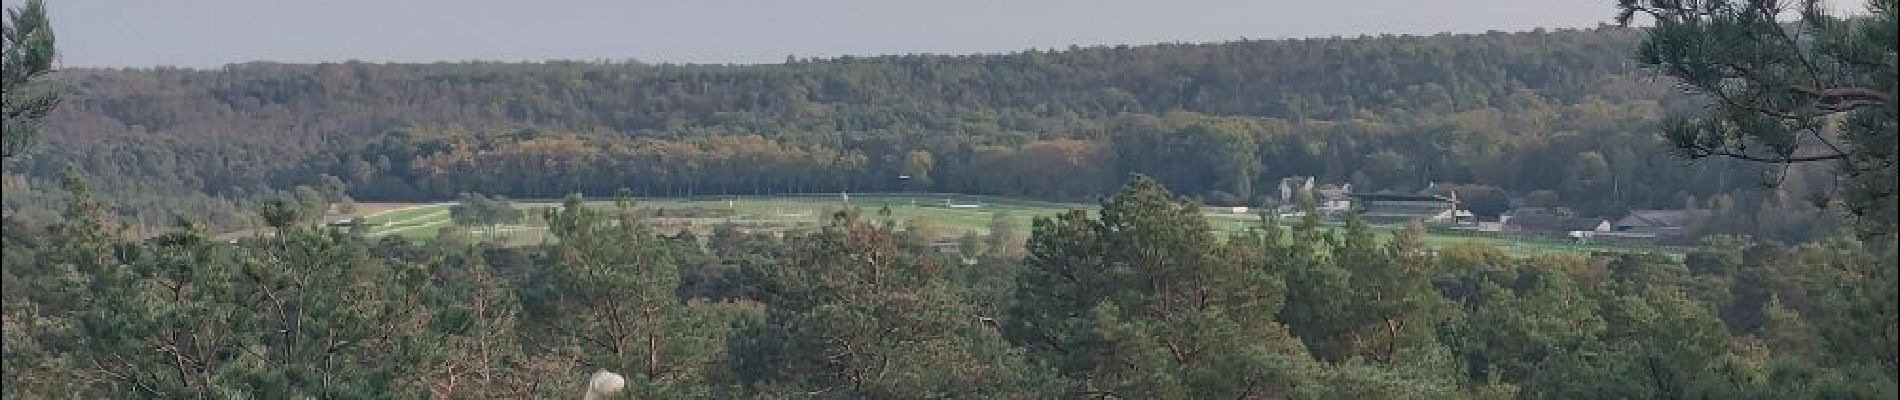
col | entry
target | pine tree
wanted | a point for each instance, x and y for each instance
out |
(607, 298)
(477, 312)
(852, 314)
(305, 313)
(26, 59)
(1146, 303)
(1819, 89)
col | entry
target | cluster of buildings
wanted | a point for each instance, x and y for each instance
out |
(1640, 226)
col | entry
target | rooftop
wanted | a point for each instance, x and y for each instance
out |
(1659, 218)
(1398, 197)
(1553, 223)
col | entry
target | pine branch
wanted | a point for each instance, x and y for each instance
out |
(1705, 151)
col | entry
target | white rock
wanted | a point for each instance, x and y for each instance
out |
(604, 384)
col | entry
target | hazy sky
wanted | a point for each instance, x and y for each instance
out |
(208, 33)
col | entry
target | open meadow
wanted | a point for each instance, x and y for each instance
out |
(947, 216)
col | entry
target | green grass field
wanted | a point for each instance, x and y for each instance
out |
(948, 215)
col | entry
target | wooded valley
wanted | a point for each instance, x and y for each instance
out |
(194, 233)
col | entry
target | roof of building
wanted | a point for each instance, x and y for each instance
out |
(1529, 211)
(1659, 218)
(1629, 235)
(1553, 223)
(1398, 197)
(1333, 192)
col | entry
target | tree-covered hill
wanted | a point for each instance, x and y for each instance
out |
(1561, 111)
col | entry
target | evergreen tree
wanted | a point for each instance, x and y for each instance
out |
(304, 313)
(852, 314)
(1821, 88)
(1144, 302)
(607, 299)
(27, 58)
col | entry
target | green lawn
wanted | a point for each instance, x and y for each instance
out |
(970, 214)
(419, 222)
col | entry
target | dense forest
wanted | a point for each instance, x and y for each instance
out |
(1139, 300)
(1566, 113)
(116, 282)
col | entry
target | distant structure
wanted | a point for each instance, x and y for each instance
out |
(1553, 222)
(1326, 198)
(1334, 198)
(1400, 208)
(1490, 226)
(347, 223)
(1658, 222)
(1653, 226)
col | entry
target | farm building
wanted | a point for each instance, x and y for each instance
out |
(1406, 207)
(1658, 222)
(1490, 226)
(947, 203)
(1524, 211)
(1574, 227)
(1652, 226)
(1334, 198)
(1327, 198)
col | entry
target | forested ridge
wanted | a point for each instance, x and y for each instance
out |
(1564, 111)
